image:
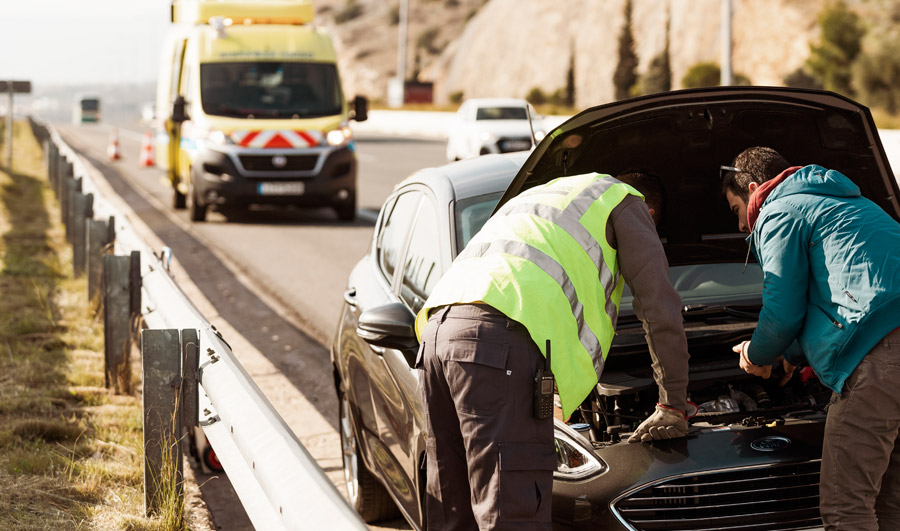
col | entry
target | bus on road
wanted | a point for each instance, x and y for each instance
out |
(86, 109)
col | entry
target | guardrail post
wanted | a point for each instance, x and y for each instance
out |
(64, 170)
(72, 187)
(98, 240)
(51, 153)
(79, 215)
(134, 290)
(116, 326)
(163, 461)
(190, 378)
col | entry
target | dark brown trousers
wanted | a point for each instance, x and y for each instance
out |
(489, 462)
(860, 481)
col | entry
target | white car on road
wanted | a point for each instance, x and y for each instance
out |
(493, 125)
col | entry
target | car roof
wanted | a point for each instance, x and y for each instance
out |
(471, 177)
(497, 102)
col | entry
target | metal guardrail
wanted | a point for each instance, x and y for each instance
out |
(278, 482)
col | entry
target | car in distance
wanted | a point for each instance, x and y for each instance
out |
(751, 459)
(492, 125)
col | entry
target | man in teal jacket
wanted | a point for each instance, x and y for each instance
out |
(831, 260)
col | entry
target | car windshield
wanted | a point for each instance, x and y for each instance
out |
(270, 89)
(501, 113)
(705, 285)
(471, 215)
(90, 105)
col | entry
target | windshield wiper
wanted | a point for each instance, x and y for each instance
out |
(704, 310)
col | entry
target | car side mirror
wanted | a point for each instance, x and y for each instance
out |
(360, 109)
(389, 326)
(178, 113)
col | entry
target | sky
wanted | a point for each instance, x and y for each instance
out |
(77, 42)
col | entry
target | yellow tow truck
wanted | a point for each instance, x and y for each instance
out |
(251, 109)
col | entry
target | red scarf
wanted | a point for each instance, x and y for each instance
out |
(757, 198)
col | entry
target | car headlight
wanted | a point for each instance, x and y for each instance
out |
(573, 459)
(214, 136)
(339, 137)
(539, 135)
(486, 136)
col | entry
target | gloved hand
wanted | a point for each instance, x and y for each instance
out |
(665, 423)
(764, 371)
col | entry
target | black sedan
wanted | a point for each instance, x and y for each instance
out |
(751, 459)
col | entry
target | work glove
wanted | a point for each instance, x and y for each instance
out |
(665, 423)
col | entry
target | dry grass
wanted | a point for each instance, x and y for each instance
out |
(70, 452)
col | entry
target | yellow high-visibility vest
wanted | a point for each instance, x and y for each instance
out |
(543, 260)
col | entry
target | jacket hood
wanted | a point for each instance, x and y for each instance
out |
(815, 180)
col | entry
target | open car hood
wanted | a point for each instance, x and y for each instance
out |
(684, 136)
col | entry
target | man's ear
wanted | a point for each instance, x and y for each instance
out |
(752, 187)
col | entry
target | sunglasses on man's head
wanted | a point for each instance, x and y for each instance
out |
(725, 170)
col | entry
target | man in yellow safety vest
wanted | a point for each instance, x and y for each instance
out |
(548, 267)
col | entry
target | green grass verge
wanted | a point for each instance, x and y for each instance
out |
(70, 451)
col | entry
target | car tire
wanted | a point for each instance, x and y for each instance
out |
(346, 211)
(179, 200)
(198, 210)
(211, 461)
(367, 496)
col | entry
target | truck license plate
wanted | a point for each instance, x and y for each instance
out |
(294, 188)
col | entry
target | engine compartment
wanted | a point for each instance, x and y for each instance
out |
(722, 396)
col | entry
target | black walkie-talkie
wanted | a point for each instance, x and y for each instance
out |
(543, 389)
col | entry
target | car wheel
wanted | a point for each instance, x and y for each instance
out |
(211, 461)
(365, 493)
(346, 211)
(179, 200)
(198, 210)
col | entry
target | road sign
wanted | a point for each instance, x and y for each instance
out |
(22, 87)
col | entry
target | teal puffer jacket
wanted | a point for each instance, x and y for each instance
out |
(831, 260)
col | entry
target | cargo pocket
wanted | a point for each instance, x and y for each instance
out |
(476, 375)
(526, 481)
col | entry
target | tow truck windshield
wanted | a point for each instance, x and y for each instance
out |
(274, 90)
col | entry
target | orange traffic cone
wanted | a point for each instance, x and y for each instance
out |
(146, 158)
(113, 150)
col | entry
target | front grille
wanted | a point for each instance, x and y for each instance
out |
(776, 498)
(508, 144)
(264, 163)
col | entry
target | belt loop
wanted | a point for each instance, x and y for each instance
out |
(511, 324)
(444, 311)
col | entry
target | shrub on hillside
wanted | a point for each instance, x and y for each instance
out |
(351, 10)
(875, 76)
(840, 43)
(456, 97)
(709, 75)
(799, 78)
(536, 96)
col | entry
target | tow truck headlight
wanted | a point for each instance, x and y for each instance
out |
(573, 459)
(214, 136)
(339, 137)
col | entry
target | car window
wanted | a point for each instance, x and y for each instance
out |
(501, 113)
(394, 230)
(471, 215)
(422, 266)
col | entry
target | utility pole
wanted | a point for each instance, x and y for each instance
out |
(12, 87)
(726, 73)
(396, 87)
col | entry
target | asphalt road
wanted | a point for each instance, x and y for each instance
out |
(275, 277)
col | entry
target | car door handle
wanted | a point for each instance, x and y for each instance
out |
(350, 297)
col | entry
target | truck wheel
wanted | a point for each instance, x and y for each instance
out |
(346, 211)
(365, 493)
(179, 200)
(198, 211)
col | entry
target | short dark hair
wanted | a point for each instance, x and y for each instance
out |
(753, 165)
(650, 185)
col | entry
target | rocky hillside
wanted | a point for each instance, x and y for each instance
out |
(508, 47)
